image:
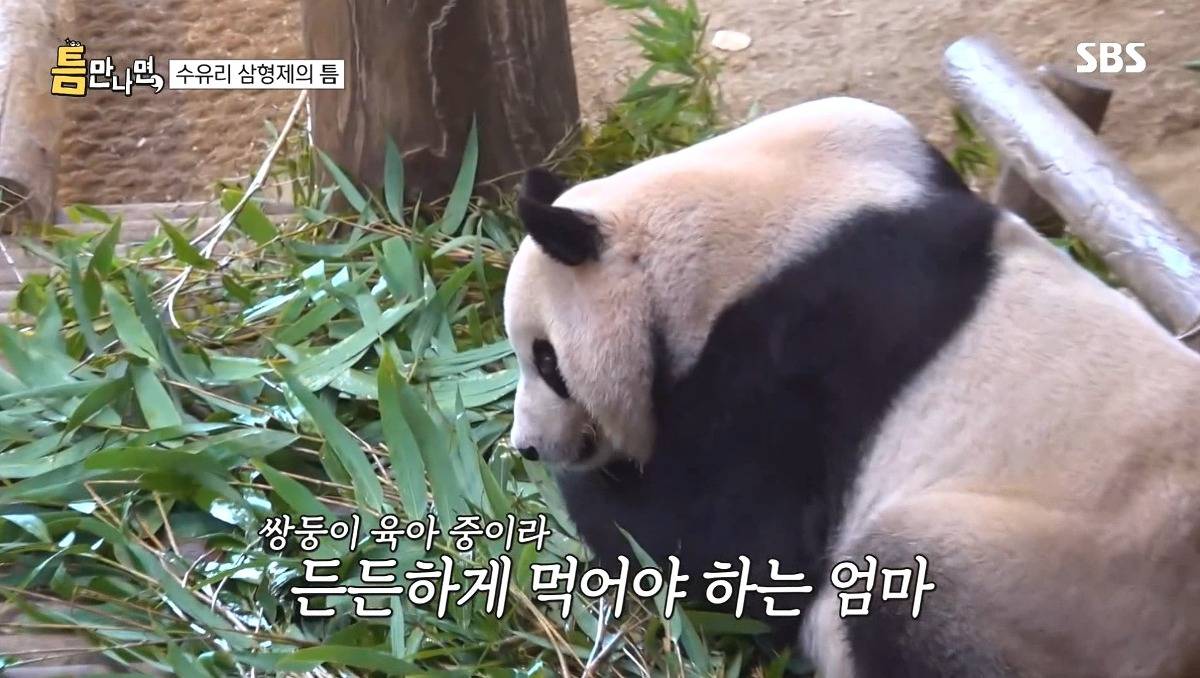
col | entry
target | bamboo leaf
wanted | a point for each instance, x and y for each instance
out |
(102, 256)
(408, 465)
(80, 213)
(183, 249)
(85, 305)
(158, 409)
(250, 220)
(717, 623)
(393, 181)
(323, 367)
(29, 523)
(357, 657)
(678, 624)
(70, 389)
(399, 269)
(464, 184)
(103, 396)
(148, 315)
(236, 289)
(347, 451)
(130, 331)
(298, 498)
(184, 666)
(345, 185)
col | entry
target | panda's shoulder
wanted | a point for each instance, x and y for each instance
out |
(829, 118)
(841, 111)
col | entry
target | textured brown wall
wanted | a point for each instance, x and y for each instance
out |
(175, 144)
(884, 50)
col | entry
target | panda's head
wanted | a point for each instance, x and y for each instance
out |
(579, 329)
(621, 278)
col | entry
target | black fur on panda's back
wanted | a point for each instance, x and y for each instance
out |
(759, 443)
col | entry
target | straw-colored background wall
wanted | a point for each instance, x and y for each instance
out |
(175, 145)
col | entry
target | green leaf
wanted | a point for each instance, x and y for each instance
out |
(408, 466)
(357, 657)
(184, 665)
(465, 454)
(130, 330)
(215, 368)
(344, 447)
(155, 459)
(250, 220)
(396, 629)
(399, 269)
(34, 459)
(182, 248)
(104, 396)
(499, 502)
(61, 485)
(345, 185)
(70, 389)
(368, 310)
(464, 184)
(148, 314)
(476, 391)
(158, 409)
(323, 367)
(30, 523)
(102, 256)
(236, 290)
(316, 319)
(85, 299)
(298, 498)
(244, 444)
(80, 213)
(718, 623)
(35, 364)
(679, 625)
(393, 181)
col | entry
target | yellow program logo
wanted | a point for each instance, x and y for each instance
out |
(69, 75)
(75, 76)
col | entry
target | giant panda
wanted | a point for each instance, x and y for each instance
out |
(806, 340)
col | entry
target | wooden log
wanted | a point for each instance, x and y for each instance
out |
(30, 117)
(1126, 225)
(420, 70)
(1089, 102)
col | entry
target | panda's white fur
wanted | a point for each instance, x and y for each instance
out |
(1045, 456)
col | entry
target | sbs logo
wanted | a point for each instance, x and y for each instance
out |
(1110, 57)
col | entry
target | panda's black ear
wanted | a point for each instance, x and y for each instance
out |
(564, 234)
(542, 185)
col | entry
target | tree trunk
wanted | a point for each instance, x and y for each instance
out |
(419, 71)
(30, 117)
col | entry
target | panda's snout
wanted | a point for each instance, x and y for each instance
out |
(530, 453)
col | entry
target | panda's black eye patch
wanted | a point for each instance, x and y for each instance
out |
(546, 362)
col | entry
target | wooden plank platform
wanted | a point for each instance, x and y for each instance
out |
(56, 654)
